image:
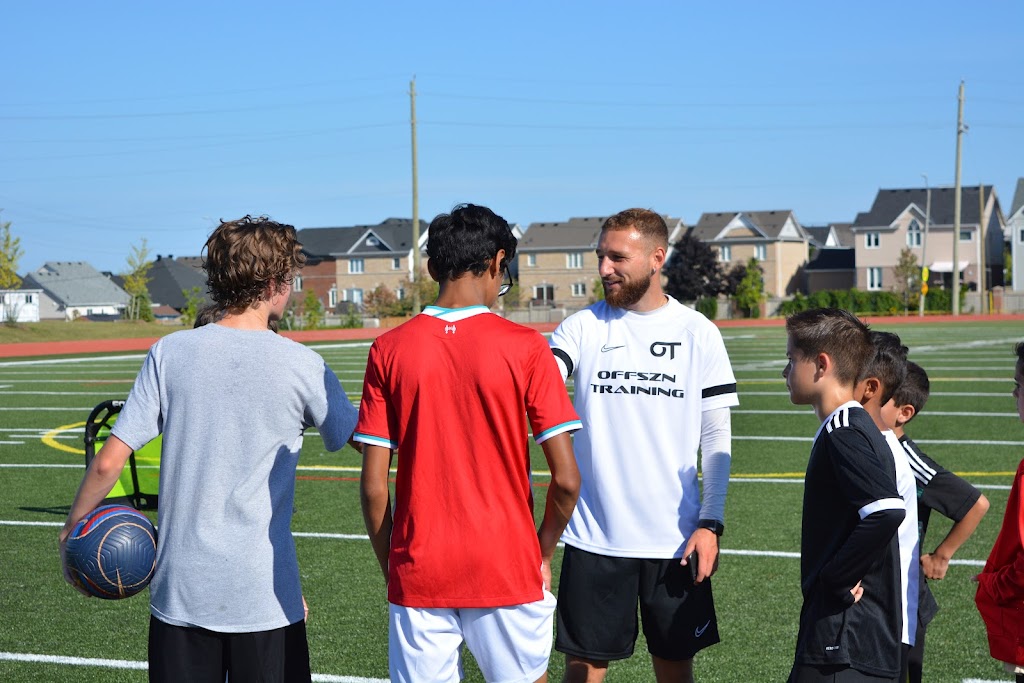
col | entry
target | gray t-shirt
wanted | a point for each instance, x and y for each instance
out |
(232, 406)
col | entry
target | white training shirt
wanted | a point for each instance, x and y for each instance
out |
(909, 537)
(643, 381)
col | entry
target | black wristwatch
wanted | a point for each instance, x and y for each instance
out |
(713, 525)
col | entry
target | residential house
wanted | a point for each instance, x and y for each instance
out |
(558, 263)
(20, 305)
(833, 258)
(774, 238)
(78, 289)
(897, 221)
(830, 236)
(1015, 225)
(363, 257)
(170, 278)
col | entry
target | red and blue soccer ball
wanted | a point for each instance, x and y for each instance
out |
(111, 552)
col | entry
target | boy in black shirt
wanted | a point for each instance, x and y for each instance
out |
(937, 489)
(850, 622)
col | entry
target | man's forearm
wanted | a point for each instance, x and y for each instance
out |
(716, 461)
(99, 479)
(563, 491)
(375, 501)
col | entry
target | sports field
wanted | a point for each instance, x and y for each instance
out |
(49, 633)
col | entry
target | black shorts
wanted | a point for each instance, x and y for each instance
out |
(177, 653)
(805, 673)
(597, 601)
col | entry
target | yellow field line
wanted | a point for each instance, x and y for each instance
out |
(50, 439)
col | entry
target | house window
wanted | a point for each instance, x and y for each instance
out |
(574, 260)
(760, 252)
(874, 279)
(544, 292)
(725, 253)
(966, 236)
(356, 266)
(28, 298)
(400, 293)
(396, 263)
(579, 289)
(531, 259)
(353, 295)
(297, 283)
(332, 296)
(871, 240)
(1022, 235)
(914, 234)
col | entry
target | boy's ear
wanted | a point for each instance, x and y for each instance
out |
(906, 412)
(867, 389)
(431, 271)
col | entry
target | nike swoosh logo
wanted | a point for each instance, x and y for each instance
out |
(612, 348)
(699, 631)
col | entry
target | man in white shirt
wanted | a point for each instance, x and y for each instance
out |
(653, 383)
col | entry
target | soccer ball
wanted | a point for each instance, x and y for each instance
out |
(111, 552)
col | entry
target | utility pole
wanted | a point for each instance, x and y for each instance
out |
(924, 246)
(960, 129)
(983, 263)
(416, 303)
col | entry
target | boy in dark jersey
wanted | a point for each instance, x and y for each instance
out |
(455, 391)
(878, 380)
(850, 621)
(937, 489)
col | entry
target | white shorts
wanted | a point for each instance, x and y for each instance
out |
(510, 644)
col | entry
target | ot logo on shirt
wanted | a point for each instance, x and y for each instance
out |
(449, 328)
(658, 349)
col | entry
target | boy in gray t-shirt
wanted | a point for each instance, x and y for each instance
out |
(232, 400)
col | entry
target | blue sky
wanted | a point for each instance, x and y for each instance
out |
(121, 121)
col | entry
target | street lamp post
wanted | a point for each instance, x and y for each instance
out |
(924, 245)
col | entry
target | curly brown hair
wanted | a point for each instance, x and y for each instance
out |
(246, 259)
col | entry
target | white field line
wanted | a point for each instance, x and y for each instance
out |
(805, 411)
(143, 666)
(971, 394)
(362, 537)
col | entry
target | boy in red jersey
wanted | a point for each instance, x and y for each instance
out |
(454, 390)
(1000, 596)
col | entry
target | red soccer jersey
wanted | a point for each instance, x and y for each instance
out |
(454, 392)
(1000, 594)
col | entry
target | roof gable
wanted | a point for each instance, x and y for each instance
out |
(890, 204)
(757, 225)
(76, 283)
(579, 234)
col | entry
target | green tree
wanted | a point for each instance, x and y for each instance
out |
(193, 302)
(693, 272)
(136, 279)
(10, 252)
(908, 278)
(750, 290)
(312, 311)
(598, 291)
(382, 302)
(427, 288)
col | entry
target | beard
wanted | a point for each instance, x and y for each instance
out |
(628, 293)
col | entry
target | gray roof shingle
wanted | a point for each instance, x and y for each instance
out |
(889, 204)
(394, 236)
(769, 223)
(76, 283)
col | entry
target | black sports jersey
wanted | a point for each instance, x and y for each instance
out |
(940, 490)
(851, 512)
